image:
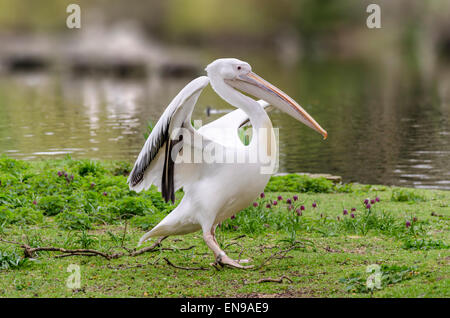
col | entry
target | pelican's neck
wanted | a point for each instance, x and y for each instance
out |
(256, 114)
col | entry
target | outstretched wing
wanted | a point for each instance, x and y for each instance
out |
(224, 130)
(154, 164)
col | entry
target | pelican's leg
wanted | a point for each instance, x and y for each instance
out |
(219, 254)
(213, 233)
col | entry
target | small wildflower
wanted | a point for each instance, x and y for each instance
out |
(372, 201)
(352, 216)
(255, 204)
(414, 219)
(302, 208)
(233, 217)
(338, 218)
(299, 211)
(235, 227)
(295, 197)
(65, 174)
(345, 212)
(60, 173)
(289, 201)
(321, 215)
(290, 207)
(366, 201)
(280, 198)
(262, 195)
(268, 205)
(368, 206)
(71, 177)
(105, 194)
(353, 209)
(275, 202)
(314, 204)
(408, 224)
(92, 184)
(377, 199)
(34, 202)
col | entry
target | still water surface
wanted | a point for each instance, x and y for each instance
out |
(386, 125)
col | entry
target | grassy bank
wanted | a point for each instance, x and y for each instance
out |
(322, 237)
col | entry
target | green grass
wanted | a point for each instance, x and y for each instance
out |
(95, 210)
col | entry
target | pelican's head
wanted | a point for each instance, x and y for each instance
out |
(239, 75)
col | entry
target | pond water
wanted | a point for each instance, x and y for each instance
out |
(387, 123)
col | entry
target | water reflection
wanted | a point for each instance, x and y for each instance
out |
(385, 124)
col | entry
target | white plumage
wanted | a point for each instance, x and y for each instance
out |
(214, 190)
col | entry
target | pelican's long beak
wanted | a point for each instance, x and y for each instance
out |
(259, 87)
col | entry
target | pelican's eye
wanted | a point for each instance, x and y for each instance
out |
(239, 68)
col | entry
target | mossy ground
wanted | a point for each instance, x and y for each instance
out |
(329, 249)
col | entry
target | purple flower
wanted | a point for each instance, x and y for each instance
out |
(295, 197)
(255, 204)
(275, 203)
(414, 219)
(377, 199)
(105, 194)
(235, 227)
(92, 184)
(262, 195)
(289, 201)
(408, 224)
(280, 198)
(352, 215)
(368, 206)
(71, 177)
(233, 217)
(65, 174)
(299, 211)
(345, 212)
(353, 209)
(314, 204)
(366, 201)
(302, 208)
(372, 201)
(60, 173)
(290, 207)
(268, 205)
(34, 202)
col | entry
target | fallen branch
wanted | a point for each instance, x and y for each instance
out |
(29, 251)
(185, 268)
(274, 280)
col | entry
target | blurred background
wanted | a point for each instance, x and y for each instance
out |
(382, 94)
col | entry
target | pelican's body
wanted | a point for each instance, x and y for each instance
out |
(214, 190)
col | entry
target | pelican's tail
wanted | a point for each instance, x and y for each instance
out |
(144, 238)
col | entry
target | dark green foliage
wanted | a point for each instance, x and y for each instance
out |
(299, 184)
(86, 167)
(130, 206)
(51, 205)
(424, 244)
(121, 168)
(403, 195)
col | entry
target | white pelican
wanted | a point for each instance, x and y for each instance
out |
(213, 190)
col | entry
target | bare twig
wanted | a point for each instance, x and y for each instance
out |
(274, 280)
(185, 268)
(279, 255)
